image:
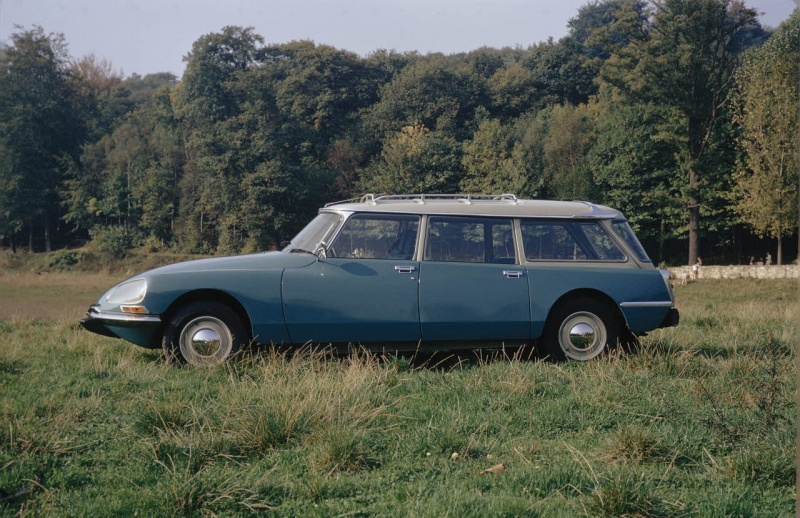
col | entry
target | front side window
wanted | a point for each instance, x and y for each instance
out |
(314, 233)
(568, 241)
(470, 240)
(376, 236)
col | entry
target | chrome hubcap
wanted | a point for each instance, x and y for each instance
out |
(581, 335)
(206, 341)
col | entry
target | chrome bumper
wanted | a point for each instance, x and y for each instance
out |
(95, 321)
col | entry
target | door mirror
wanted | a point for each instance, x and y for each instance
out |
(322, 250)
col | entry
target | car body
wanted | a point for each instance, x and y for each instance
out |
(404, 271)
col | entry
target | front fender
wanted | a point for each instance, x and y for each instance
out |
(258, 292)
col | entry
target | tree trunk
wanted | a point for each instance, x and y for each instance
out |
(695, 136)
(30, 234)
(780, 251)
(12, 244)
(47, 243)
(694, 217)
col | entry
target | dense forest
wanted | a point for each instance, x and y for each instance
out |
(681, 113)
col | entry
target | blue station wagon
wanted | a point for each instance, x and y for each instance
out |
(403, 271)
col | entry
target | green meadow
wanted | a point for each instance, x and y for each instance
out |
(699, 421)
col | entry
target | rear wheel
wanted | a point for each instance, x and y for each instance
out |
(203, 334)
(580, 329)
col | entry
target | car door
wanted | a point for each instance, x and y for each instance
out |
(471, 287)
(364, 291)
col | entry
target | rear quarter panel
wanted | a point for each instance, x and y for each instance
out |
(548, 284)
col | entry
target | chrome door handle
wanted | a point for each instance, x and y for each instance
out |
(512, 274)
(404, 269)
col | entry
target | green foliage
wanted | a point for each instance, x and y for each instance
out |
(434, 92)
(38, 127)
(496, 160)
(65, 259)
(682, 56)
(766, 108)
(632, 140)
(112, 240)
(565, 147)
(417, 160)
(629, 109)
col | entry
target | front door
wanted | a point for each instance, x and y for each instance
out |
(365, 291)
(470, 285)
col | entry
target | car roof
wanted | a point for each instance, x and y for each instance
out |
(474, 205)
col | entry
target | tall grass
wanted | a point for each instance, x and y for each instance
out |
(698, 422)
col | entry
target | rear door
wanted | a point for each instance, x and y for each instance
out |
(471, 287)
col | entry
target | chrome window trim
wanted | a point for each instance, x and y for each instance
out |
(346, 215)
(626, 256)
(514, 228)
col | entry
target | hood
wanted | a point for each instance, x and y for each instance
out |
(259, 261)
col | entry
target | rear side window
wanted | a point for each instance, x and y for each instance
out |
(470, 240)
(624, 231)
(568, 241)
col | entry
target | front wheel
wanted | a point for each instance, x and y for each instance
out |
(204, 334)
(580, 329)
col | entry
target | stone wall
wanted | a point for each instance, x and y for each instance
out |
(791, 271)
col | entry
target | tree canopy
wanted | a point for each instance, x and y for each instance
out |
(681, 113)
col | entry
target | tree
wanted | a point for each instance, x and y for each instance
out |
(417, 160)
(38, 128)
(513, 91)
(766, 109)
(142, 89)
(102, 96)
(633, 161)
(321, 87)
(683, 56)
(495, 161)
(565, 148)
(439, 94)
(209, 101)
(558, 71)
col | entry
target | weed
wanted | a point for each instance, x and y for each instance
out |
(635, 444)
(624, 494)
(340, 450)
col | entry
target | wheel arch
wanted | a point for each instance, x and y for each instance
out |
(597, 295)
(210, 295)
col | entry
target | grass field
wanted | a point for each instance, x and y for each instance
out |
(699, 422)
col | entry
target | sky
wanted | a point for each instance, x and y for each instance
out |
(148, 36)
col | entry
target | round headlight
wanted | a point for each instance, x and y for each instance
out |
(130, 292)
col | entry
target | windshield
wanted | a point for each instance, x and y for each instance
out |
(315, 232)
(624, 231)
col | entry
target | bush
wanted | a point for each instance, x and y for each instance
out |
(113, 240)
(65, 259)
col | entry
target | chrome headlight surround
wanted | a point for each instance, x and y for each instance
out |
(128, 292)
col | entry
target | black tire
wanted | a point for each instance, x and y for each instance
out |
(580, 329)
(203, 334)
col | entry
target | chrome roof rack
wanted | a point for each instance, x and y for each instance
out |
(373, 199)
